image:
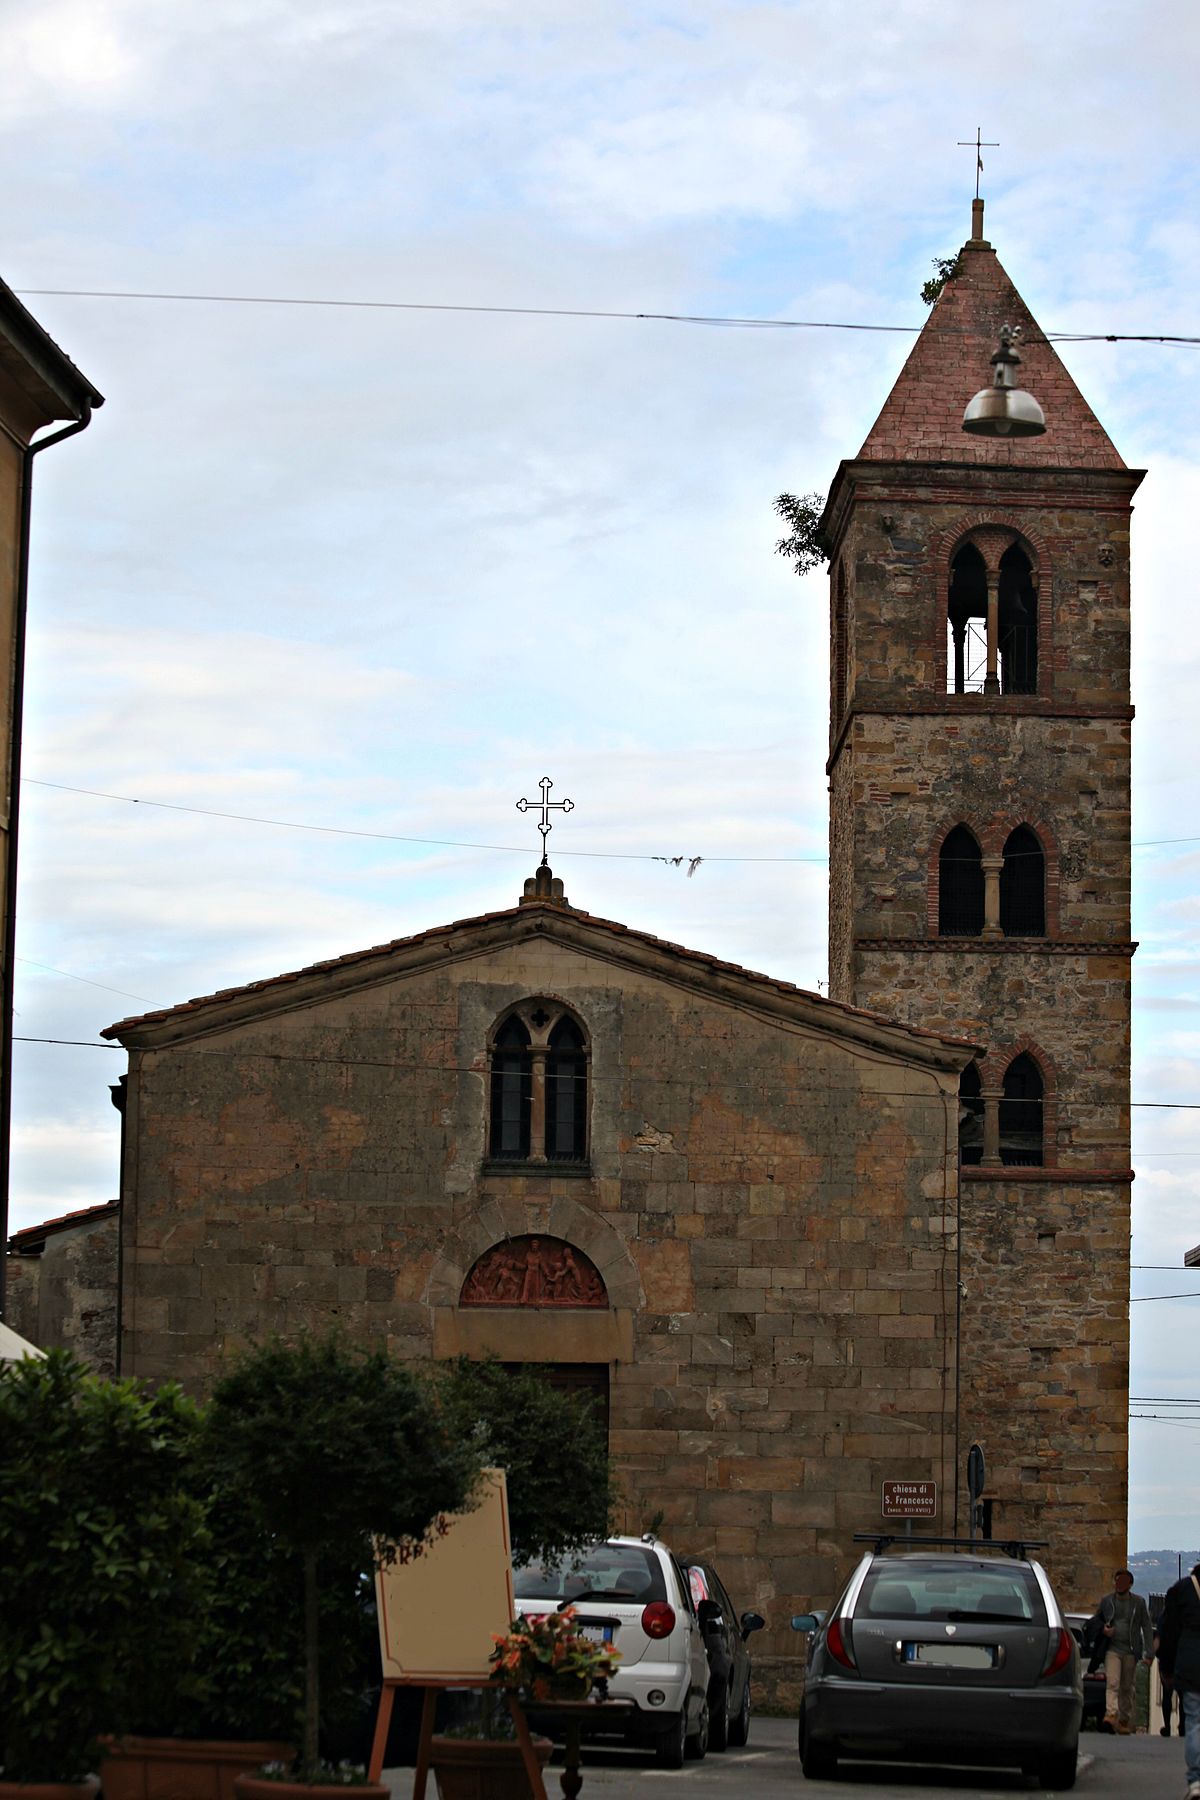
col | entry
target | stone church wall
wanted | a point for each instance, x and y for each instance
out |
(65, 1296)
(771, 1209)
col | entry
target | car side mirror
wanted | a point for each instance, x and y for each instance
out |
(751, 1621)
(709, 1615)
(805, 1621)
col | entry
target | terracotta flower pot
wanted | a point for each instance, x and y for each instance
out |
(143, 1768)
(483, 1769)
(49, 1790)
(255, 1787)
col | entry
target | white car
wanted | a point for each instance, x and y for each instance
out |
(631, 1593)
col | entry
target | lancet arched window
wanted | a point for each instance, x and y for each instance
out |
(1018, 623)
(512, 1092)
(1023, 885)
(960, 885)
(970, 1116)
(539, 1086)
(1021, 1107)
(966, 623)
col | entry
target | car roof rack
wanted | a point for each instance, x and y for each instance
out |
(1017, 1548)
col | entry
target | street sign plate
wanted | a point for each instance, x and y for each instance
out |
(909, 1500)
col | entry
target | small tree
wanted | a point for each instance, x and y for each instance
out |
(802, 545)
(551, 1446)
(101, 1543)
(332, 1447)
(945, 269)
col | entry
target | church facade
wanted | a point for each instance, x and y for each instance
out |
(795, 1247)
(720, 1204)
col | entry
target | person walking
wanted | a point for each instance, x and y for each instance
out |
(1179, 1658)
(1122, 1624)
(1170, 1699)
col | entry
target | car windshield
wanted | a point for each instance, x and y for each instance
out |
(950, 1591)
(607, 1572)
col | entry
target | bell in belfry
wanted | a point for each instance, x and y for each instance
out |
(1004, 410)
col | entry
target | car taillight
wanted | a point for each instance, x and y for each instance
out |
(658, 1619)
(837, 1642)
(1059, 1654)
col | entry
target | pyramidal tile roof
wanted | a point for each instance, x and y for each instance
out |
(921, 419)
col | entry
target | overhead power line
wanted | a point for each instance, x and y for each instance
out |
(586, 312)
(395, 837)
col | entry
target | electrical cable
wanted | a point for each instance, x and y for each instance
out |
(392, 837)
(581, 312)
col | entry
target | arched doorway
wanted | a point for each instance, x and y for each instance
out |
(541, 1273)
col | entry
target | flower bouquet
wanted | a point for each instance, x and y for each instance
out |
(548, 1656)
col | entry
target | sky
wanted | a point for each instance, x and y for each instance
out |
(380, 570)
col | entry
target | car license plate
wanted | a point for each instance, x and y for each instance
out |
(599, 1634)
(952, 1656)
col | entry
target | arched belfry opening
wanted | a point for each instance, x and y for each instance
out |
(1017, 623)
(991, 620)
(966, 623)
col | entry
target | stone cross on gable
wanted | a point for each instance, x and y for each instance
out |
(547, 807)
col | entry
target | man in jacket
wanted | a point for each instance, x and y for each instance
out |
(1122, 1625)
(1179, 1658)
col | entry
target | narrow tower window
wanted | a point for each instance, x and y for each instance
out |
(566, 1094)
(512, 1092)
(1023, 886)
(1018, 624)
(960, 885)
(966, 623)
(970, 1116)
(1021, 1115)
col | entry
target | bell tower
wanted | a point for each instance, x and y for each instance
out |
(979, 769)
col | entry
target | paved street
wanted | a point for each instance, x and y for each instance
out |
(1140, 1768)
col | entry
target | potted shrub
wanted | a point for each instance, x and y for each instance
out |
(331, 1448)
(534, 1432)
(100, 1542)
(235, 1704)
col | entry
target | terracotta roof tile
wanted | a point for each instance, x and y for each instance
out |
(921, 419)
(524, 912)
(28, 1239)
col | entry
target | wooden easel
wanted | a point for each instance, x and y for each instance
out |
(433, 1685)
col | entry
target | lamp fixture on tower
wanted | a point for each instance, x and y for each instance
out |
(1004, 410)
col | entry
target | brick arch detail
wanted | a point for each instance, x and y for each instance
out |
(991, 834)
(993, 1067)
(500, 1218)
(942, 549)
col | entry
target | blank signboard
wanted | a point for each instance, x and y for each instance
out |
(437, 1611)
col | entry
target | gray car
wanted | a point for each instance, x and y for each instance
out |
(943, 1658)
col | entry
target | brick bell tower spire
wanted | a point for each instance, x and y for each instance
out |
(979, 874)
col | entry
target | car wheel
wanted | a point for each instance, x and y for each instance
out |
(669, 1749)
(1057, 1772)
(696, 1744)
(818, 1761)
(718, 1716)
(739, 1725)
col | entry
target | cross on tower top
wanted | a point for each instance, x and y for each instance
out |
(978, 144)
(547, 807)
